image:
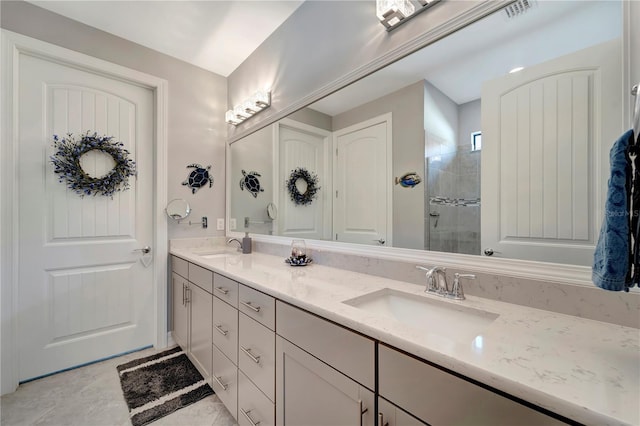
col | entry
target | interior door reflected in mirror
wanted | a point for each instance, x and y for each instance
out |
(178, 209)
(515, 162)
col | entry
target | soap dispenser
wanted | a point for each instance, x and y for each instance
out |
(246, 243)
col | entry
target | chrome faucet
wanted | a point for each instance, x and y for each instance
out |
(456, 292)
(438, 278)
(437, 282)
(237, 241)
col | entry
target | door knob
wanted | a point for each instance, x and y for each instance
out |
(144, 250)
(489, 252)
(381, 241)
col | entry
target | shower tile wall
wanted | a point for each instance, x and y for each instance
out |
(453, 228)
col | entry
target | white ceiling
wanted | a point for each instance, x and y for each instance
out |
(487, 49)
(213, 34)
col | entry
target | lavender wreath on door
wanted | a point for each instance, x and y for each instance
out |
(311, 180)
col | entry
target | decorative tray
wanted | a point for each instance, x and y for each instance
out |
(301, 261)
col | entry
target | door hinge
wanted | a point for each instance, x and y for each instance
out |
(336, 193)
(336, 237)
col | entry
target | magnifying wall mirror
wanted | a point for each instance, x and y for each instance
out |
(178, 209)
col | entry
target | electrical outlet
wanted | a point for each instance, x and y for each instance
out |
(220, 224)
(232, 224)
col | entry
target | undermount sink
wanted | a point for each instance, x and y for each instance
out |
(211, 253)
(449, 320)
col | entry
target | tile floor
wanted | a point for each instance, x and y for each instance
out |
(91, 396)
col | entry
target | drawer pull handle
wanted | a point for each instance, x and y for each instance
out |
(222, 385)
(223, 290)
(255, 359)
(221, 331)
(246, 414)
(250, 306)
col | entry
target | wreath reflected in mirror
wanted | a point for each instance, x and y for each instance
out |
(67, 165)
(303, 186)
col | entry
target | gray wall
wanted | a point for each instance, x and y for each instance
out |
(254, 153)
(312, 118)
(324, 41)
(197, 102)
(406, 106)
(468, 121)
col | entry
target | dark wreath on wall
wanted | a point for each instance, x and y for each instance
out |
(66, 162)
(311, 181)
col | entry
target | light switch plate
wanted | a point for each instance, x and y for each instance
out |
(220, 224)
(232, 224)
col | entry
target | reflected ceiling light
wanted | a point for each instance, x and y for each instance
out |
(516, 69)
(392, 13)
(256, 103)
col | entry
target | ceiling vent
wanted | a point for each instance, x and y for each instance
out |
(518, 8)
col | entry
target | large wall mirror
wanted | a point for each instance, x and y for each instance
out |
(492, 141)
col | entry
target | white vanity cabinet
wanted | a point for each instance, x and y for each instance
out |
(440, 398)
(192, 309)
(325, 374)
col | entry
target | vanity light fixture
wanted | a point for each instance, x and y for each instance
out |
(392, 13)
(256, 103)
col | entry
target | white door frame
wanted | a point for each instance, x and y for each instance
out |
(13, 45)
(384, 118)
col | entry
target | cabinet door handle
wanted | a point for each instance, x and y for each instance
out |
(362, 411)
(255, 358)
(223, 290)
(183, 294)
(250, 306)
(222, 385)
(188, 295)
(221, 331)
(246, 414)
(381, 420)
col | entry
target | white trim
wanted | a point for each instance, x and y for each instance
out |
(383, 118)
(13, 45)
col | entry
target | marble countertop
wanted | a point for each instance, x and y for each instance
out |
(585, 370)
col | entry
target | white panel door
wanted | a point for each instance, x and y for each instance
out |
(306, 147)
(546, 135)
(84, 293)
(361, 182)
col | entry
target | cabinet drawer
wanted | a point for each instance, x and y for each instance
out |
(226, 289)
(180, 266)
(225, 329)
(253, 407)
(201, 277)
(437, 397)
(256, 354)
(258, 306)
(225, 381)
(329, 342)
